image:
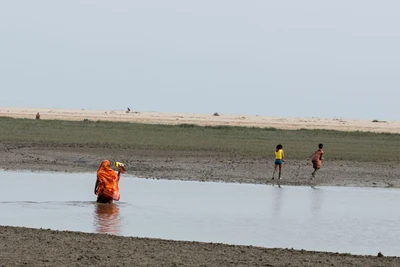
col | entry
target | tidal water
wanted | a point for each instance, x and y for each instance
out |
(337, 219)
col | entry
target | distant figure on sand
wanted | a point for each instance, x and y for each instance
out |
(279, 159)
(106, 187)
(38, 116)
(316, 159)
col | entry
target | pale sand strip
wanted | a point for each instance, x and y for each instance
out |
(203, 119)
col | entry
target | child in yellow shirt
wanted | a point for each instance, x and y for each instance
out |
(279, 159)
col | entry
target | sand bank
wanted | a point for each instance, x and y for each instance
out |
(205, 119)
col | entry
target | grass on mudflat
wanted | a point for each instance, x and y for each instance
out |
(245, 141)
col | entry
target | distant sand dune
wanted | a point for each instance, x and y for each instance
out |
(203, 119)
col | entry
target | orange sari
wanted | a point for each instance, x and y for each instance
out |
(108, 181)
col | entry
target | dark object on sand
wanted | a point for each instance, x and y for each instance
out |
(128, 110)
(380, 254)
(38, 116)
(216, 114)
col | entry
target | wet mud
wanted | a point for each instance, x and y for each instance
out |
(39, 247)
(199, 166)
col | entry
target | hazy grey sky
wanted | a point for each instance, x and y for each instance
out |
(280, 58)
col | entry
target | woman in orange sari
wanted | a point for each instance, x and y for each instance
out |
(106, 187)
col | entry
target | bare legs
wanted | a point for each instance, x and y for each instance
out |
(275, 169)
(314, 172)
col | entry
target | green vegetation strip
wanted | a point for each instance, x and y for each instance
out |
(241, 141)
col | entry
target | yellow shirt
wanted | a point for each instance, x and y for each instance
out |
(279, 154)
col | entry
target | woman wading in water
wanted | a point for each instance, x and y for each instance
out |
(106, 187)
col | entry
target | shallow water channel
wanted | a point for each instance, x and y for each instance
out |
(338, 219)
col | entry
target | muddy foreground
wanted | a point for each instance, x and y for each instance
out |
(32, 247)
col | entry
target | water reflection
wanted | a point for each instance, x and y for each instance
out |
(316, 197)
(107, 218)
(277, 202)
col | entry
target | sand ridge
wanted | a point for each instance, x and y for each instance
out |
(290, 123)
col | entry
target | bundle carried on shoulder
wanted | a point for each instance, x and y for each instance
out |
(121, 166)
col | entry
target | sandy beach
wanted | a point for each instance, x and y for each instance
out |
(290, 123)
(35, 247)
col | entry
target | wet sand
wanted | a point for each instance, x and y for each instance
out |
(21, 246)
(197, 166)
(38, 247)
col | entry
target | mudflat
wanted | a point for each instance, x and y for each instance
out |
(198, 165)
(214, 151)
(39, 247)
